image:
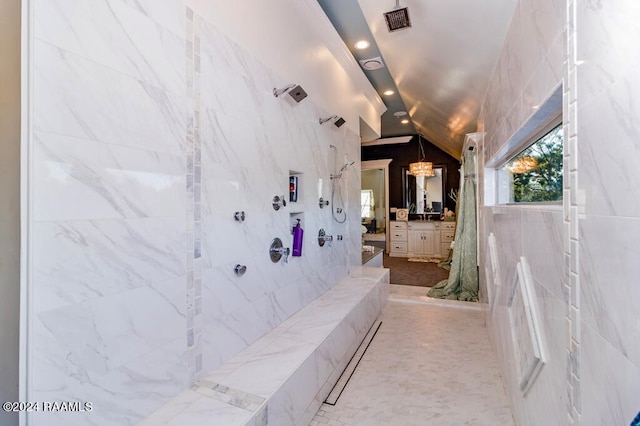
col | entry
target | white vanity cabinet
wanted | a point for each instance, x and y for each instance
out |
(424, 239)
(398, 238)
(421, 238)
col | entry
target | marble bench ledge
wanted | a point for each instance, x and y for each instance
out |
(284, 376)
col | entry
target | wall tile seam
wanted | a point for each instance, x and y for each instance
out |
(519, 98)
(108, 143)
(559, 37)
(102, 65)
(139, 10)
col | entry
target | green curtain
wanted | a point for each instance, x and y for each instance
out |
(462, 283)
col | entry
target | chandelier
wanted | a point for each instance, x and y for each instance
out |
(523, 165)
(421, 167)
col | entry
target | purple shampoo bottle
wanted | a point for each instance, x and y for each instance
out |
(297, 240)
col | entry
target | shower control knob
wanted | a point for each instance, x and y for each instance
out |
(339, 237)
(239, 216)
(240, 269)
(277, 251)
(324, 238)
(278, 201)
(322, 202)
(338, 210)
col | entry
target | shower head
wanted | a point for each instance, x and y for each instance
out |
(347, 164)
(339, 174)
(324, 120)
(296, 92)
(337, 121)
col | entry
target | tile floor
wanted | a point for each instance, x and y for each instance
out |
(430, 364)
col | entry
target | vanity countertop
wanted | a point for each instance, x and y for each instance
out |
(368, 255)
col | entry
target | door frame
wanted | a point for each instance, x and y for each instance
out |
(384, 165)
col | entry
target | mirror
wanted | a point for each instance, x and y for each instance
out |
(425, 195)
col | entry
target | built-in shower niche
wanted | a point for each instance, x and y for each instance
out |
(296, 191)
(296, 204)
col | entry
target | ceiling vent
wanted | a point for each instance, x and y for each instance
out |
(372, 63)
(398, 18)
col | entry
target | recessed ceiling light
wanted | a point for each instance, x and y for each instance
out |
(362, 44)
(388, 92)
(399, 114)
(405, 121)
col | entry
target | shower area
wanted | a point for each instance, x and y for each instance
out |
(173, 215)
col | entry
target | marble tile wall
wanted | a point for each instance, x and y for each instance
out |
(582, 257)
(529, 70)
(108, 266)
(607, 202)
(150, 129)
(244, 167)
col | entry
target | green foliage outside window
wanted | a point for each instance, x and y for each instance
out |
(537, 171)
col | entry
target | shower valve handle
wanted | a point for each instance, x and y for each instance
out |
(278, 201)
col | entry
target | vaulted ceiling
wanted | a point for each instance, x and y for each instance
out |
(439, 68)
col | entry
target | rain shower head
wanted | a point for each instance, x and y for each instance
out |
(295, 91)
(398, 18)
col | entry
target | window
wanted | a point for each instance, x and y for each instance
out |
(535, 174)
(367, 204)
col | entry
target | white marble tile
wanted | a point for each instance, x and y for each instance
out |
(122, 396)
(395, 380)
(80, 98)
(608, 281)
(544, 249)
(288, 406)
(267, 371)
(169, 14)
(209, 412)
(85, 260)
(171, 409)
(547, 77)
(104, 334)
(140, 48)
(114, 181)
(606, 34)
(542, 23)
(546, 400)
(509, 240)
(609, 383)
(608, 175)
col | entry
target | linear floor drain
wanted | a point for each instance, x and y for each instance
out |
(353, 364)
